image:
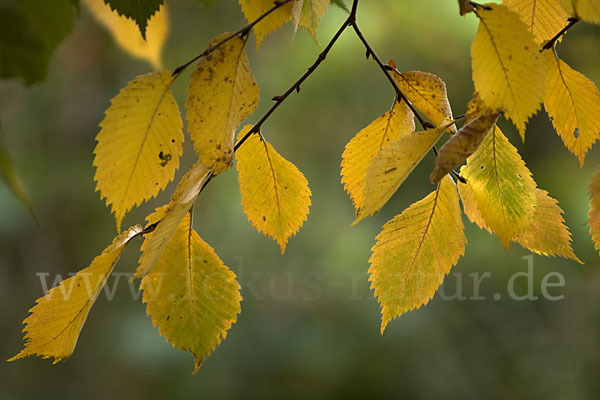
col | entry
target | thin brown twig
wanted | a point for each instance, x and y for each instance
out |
(386, 70)
(279, 100)
(550, 43)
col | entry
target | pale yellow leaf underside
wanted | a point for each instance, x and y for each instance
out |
(127, 34)
(363, 147)
(594, 213)
(192, 296)
(253, 9)
(392, 165)
(275, 194)
(587, 10)
(415, 251)
(221, 95)
(296, 12)
(544, 18)
(139, 144)
(573, 103)
(502, 186)
(427, 92)
(461, 145)
(312, 12)
(507, 70)
(171, 216)
(52, 329)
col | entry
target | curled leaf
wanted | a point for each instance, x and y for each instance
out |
(461, 145)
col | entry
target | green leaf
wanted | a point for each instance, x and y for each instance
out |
(139, 11)
(13, 181)
(29, 32)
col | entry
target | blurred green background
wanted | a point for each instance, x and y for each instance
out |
(309, 325)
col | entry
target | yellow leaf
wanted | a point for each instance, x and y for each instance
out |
(171, 216)
(56, 320)
(427, 93)
(594, 213)
(507, 71)
(253, 9)
(139, 143)
(475, 108)
(392, 165)
(127, 34)
(544, 18)
(222, 94)
(461, 145)
(547, 235)
(192, 296)
(587, 10)
(469, 203)
(363, 147)
(415, 251)
(573, 103)
(275, 195)
(312, 12)
(502, 186)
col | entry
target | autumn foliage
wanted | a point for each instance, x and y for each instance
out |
(515, 69)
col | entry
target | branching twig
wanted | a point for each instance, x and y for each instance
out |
(386, 70)
(279, 100)
(241, 33)
(550, 43)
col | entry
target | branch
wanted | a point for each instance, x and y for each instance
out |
(386, 70)
(550, 43)
(279, 100)
(241, 33)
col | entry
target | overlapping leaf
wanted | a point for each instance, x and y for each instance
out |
(547, 235)
(138, 11)
(392, 165)
(127, 35)
(415, 251)
(573, 103)
(139, 143)
(52, 329)
(587, 10)
(507, 70)
(253, 9)
(544, 18)
(594, 213)
(222, 94)
(461, 145)
(502, 186)
(172, 214)
(363, 147)
(427, 93)
(275, 195)
(310, 17)
(192, 296)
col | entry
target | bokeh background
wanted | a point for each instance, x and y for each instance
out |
(309, 325)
